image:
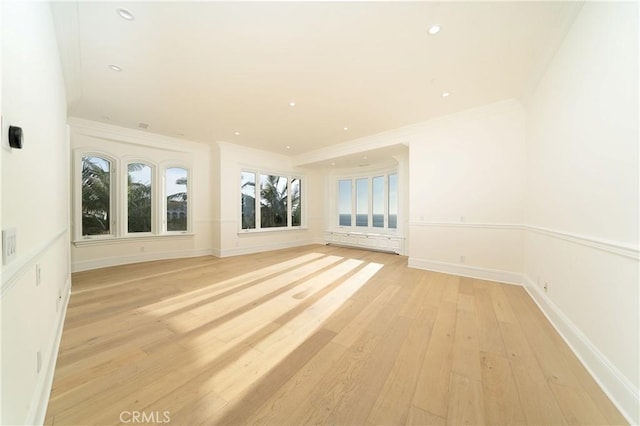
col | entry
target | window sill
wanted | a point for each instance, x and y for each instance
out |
(128, 239)
(269, 230)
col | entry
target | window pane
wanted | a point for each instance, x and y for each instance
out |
(248, 203)
(139, 198)
(377, 184)
(393, 201)
(273, 201)
(362, 202)
(176, 187)
(296, 209)
(96, 196)
(344, 202)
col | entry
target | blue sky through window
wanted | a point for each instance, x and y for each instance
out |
(173, 174)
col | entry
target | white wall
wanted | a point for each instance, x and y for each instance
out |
(583, 195)
(466, 193)
(35, 183)
(125, 144)
(233, 241)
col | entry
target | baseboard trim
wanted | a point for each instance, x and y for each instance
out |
(478, 272)
(38, 411)
(238, 251)
(86, 265)
(609, 378)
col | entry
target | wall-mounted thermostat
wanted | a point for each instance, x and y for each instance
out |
(15, 137)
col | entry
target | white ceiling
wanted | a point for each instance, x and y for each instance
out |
(203, 70)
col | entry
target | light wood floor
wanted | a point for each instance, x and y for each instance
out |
(312, 335)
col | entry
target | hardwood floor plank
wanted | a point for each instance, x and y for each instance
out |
(351, 332)
(466, 353)
(419, 417)
(356, 405)
(434, 376)
(466, 406)
(262, 392)
(450, 291)
(536, 398)
(295, 392)
(393, 404)
(489, 337)
(501, 307)
(314, 334)
(501, 400)
(577, 406)
(338, 386)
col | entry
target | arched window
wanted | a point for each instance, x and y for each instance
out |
(139, 197)
(176, 191)
(128, 197)
(96, 195)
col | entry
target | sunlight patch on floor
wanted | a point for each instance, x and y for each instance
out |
(189, 298)
(188, 302)
(275, 347)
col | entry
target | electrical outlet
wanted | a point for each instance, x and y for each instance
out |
(9, 242)
(461, 218)
(462, 259)
(38, 274)
(141, 249)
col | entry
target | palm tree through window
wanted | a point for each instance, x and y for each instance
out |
(96, 196)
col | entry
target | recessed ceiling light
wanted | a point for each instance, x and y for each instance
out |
(333, 164)
(345, 128)
(115, 68)
(445, 94)
(292, 104)
(125, 14)
(364, 158)
(434, 29)
(288, 146)
(237, 133)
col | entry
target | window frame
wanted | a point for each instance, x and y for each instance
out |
(385, 197)
(258, 173)
(369, 176)
(113, 194)
(351, 209)
(163, 211)
(359, 206)
(118, 198)
(154, 200)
